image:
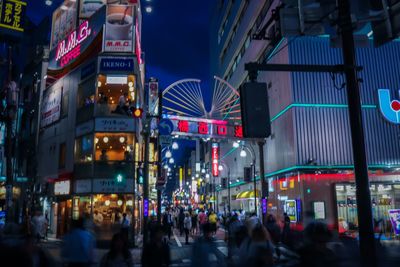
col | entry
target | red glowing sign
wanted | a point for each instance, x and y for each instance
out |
(214, 159)
(183, 126)
(222, 129)
(138, 48)
(238, 131)
(203, 127)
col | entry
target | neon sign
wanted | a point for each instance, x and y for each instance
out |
(390, 109)
(214, 159)
(69, 48)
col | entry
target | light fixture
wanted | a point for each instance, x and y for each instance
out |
(166, 166)
(203, 170)
(129, 203)
(236, 144)
(107, 202)
(119, 202)
(105, 139)
(243, 153)
(130, 84)
(122, 139)
(168, 154)
(220, 168)
(131, 89)
(237, 180)
(169, 169)
(149, 9)
(171, 160)
(48, 2)
(192, 177)
(175, 145)
(117, 79)
(207, 175)
(96, 140)
(197, 175)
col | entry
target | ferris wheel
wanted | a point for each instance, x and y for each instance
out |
(185, 98)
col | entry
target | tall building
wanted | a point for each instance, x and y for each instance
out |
(308, 158)
(89, 139)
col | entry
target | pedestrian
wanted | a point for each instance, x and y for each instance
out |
(167, 223)
(156, 253)
(188, 226)
(232, 227)
(213, 220)
(261, 249)
(286, 229)
(204, 251)
(181, 218)
(125, 224)
(252, 222)
(39, 225)
(34, 254)
(202, 219)
(119, 254)
(78, 246)
(194, 223)
(273, 228)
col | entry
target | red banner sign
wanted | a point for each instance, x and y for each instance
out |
(214, 159)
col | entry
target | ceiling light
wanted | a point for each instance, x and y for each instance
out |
(130, 84)
(48, 2)
(96, 140)
(122, 139)
(175, 145)
(105, 139)
(171, 160)
(149, 9)
(166, 167)
(220, 168)
(168, 154)
(207, 176)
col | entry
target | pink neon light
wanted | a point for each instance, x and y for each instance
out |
(138, 48)
(214, 158)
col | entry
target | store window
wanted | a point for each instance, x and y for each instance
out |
(116, 94)
(84, 149)
(114, 146)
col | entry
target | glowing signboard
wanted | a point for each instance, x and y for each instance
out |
(197, 127)
(214, 159)
(390, 109)
(12, 15)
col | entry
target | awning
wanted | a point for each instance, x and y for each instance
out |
(247, 195)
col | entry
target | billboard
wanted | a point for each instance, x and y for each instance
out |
(12, 16)
(153, 97)
(63, 22)
(119, 28)
(88, 7)
(394, 216)
(51, 108)
(214, 159)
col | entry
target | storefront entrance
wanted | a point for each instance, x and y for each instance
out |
(384, 196)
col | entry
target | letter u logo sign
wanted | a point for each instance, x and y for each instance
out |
(389, 108)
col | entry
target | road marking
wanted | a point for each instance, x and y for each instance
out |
(224, 250)
(186, 260)
(177, 240)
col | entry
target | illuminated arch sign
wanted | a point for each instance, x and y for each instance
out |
(390, 109)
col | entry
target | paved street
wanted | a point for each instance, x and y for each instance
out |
(180, 253)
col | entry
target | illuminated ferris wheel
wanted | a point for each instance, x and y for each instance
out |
(185, 98)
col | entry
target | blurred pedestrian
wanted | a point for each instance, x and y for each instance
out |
(213, 220)
(233, 228)
(194, 223)
(286, 229)
(202, 219)
(125, 224)
(78, 246)
(261, 249)
(119, 254)
(187, 224)
(34, 254)
(181, 218)
(273, 228)
(252, 222)
(39, 225)
(204, 251)
(156, 253)
(167, 223)
(315, 252)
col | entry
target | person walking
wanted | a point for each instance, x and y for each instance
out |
(156, 253)
(194, 223)
(78, 246)
(261, 249)
(202, 219)
(273, 228)
(167, 223)
(181, 218)
(39, 225)
(213, 220)
(204, 250)
(125, 224)
(286, 229)
(119, 254)
(187, 223)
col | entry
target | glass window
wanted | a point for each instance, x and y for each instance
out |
(86, 93)
(114, 146)
(116, 94)
(84, 148)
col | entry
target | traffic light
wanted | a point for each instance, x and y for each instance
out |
(137, 112)
(224, 182)
(139, 176)
(119, 178)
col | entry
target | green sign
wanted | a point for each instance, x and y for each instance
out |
(12, 15)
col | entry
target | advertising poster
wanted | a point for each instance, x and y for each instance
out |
(153, 97)
(89, 7)
(119, 29)
(215, 158)
(291, 210)
(394, 216)
(63, 22)
(319, 210)
(51, 107)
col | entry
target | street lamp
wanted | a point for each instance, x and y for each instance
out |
(171, 160)
(168, 154)
(253, 165)
(236, 144)
(175, 146)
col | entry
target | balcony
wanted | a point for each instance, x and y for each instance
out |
(103, 170)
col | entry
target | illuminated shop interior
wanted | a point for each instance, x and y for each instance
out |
(114, 146)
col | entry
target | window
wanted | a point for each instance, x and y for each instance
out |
(114, 146)
(84, 149)
(62, 156)
(86, 93)
(64, 104)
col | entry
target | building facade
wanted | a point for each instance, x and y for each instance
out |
(89, 139)
(309, 162)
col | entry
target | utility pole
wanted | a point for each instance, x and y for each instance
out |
(364, 207)
(159, 167)
(264, 184)
(146, 134)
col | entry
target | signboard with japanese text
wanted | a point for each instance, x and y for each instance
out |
(198, 127)
(51, 107)
(63, 21)
(116, 64)
(69, 49)
(84, 128)
(153, 97)
(12, 17)
(215, 159)
(62, 187)
(111, 186)
(114, 125)
(119, 29)
(83, 186)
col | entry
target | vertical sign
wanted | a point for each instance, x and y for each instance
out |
(12, 15)
(153, 97)
(145, 207)
(180, 177)
(264, 206)
(215, 158)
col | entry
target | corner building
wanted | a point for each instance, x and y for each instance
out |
(89, 140)
(308, 158)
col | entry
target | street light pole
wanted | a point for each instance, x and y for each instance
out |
(264, 184)
(253, 159)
